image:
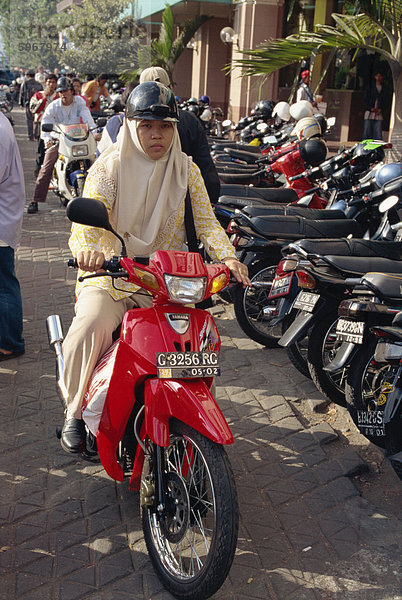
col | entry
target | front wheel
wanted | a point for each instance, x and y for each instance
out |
(254, 312)
(192, 542)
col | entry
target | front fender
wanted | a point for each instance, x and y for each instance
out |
(189, 401)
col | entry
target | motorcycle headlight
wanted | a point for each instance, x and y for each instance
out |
(80, 150)
(186, 290)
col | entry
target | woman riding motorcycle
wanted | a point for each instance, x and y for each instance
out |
(143, 180)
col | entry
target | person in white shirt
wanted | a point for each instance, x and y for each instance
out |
(68, 109)
(304, 91)
(40, 76)
(12, 201)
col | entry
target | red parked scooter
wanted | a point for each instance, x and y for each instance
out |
(150, 406)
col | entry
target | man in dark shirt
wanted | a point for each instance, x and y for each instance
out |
(28, 89)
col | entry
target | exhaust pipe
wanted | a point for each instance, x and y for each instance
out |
(56, 337)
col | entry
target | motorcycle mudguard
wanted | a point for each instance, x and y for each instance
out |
(189, 401)
(297, 329)
(343, 356)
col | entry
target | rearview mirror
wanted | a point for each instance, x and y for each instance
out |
(227, 123)
(331, 121)
(101, 122)
(388, 203)
(47, 127)
(88, 211)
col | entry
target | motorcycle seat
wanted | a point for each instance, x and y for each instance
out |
(359, 265)
(240, 202)
(226, 168)
(247, 191)
(388, 285)
(293, 227)
(249, 179)
(220, 147)
(275, 195)
(294, 209)
(249, 157)
(353, 247)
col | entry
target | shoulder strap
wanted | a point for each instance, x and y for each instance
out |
(189, 225)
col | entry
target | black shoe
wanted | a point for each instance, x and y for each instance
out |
(73, 435)
(32, 208)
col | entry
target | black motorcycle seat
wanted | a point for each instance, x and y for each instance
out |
(249, 179)
(249, 157)
(226, 168)
(295, 209)
(359, 265)
(240, 203)
(353, 247)
(247, 191)
(220, 147)
(388, 283)
(292, 227)
(275, 195)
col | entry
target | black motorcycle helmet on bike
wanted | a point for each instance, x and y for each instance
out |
(322, 121)
(63, 84)
(313, 151)
(264, 109)
(152, 100)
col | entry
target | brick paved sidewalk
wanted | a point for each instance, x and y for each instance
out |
(68, 532)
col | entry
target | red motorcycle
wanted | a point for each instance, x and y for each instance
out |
(149, 404)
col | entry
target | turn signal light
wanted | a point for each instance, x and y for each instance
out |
(305, 280)
(218, 283)
(147, 279)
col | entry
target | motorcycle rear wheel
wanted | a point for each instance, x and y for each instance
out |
(249, 304)
(363, 387)
(192, 544)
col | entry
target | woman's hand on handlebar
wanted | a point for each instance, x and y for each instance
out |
(238, 270)
(90, 260)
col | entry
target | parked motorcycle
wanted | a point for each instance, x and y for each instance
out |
(77, 148)
(150, 405)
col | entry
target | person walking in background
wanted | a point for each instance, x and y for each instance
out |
(38, 104)
(77, 85)
(28, 89)
(40, 75)
(376, 102)
(304, 91)
(94, 90)
(12, 201)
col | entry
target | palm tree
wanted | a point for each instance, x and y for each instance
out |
(165, 50)
(373, 25)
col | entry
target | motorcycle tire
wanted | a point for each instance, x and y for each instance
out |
(322, 348)
(249, 303)
(363, 386)
(297, 352)
(192, 545)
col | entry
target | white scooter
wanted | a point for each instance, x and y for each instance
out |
(77, 148)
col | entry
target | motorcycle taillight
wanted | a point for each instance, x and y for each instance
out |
(232, 227)
(285, 266)
(305, 280)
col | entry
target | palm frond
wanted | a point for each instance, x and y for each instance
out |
(189, 29)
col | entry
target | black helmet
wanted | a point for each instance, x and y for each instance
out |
(63, 84)
(152, 100)
(194, 109)
(322, 121)
(313, 151)
(264, 108)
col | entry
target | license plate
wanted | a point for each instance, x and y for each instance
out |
(348, 330)
(371, 422)
(280, 286)
(187, 364)
(306, 301)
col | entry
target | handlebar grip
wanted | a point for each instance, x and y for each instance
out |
(299, 176)
(72, 262)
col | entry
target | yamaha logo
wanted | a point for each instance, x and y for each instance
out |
(178, 322)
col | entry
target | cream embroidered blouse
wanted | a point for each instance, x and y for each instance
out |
(100, 185)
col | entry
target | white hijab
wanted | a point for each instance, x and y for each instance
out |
(150, 193)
